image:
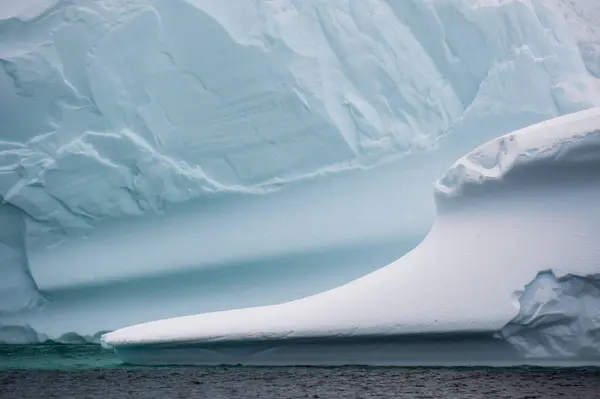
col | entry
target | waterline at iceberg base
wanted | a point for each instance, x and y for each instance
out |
(509, 274)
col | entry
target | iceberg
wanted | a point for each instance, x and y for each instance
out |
(508, 274)
(162, 158)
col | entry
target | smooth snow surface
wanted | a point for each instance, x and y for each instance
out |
(173, 157)
(521, 204)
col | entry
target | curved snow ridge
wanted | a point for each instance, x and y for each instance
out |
(564, 142)
(282, 91)
(462, 279)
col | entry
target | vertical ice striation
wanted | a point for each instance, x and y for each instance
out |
(18, 290)
(156, 143)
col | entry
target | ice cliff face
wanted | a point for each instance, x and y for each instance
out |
(133, 133)
(118, 108)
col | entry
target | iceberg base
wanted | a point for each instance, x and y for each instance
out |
(557, 326)
(464, 349)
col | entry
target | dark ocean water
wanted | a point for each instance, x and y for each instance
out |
(63, 371)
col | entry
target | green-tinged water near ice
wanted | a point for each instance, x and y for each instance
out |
(56, 357)
(90, 371)
(70, 357)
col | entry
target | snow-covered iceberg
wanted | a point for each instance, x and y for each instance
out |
(161, 158)
(508, 274)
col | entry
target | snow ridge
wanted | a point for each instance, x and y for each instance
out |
(544, 143)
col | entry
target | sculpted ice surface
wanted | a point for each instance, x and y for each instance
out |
(169, 157)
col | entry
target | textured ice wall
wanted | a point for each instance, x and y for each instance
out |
(113, 110)
(117, 108)
(558, 318)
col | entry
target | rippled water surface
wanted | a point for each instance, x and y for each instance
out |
(61, 371)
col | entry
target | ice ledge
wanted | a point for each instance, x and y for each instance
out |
(459, 282)
(565, 142)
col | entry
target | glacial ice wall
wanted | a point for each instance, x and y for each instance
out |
(116, 108)
(193, 155)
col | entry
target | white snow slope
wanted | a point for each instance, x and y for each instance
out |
(519, 213)
(168, 157)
